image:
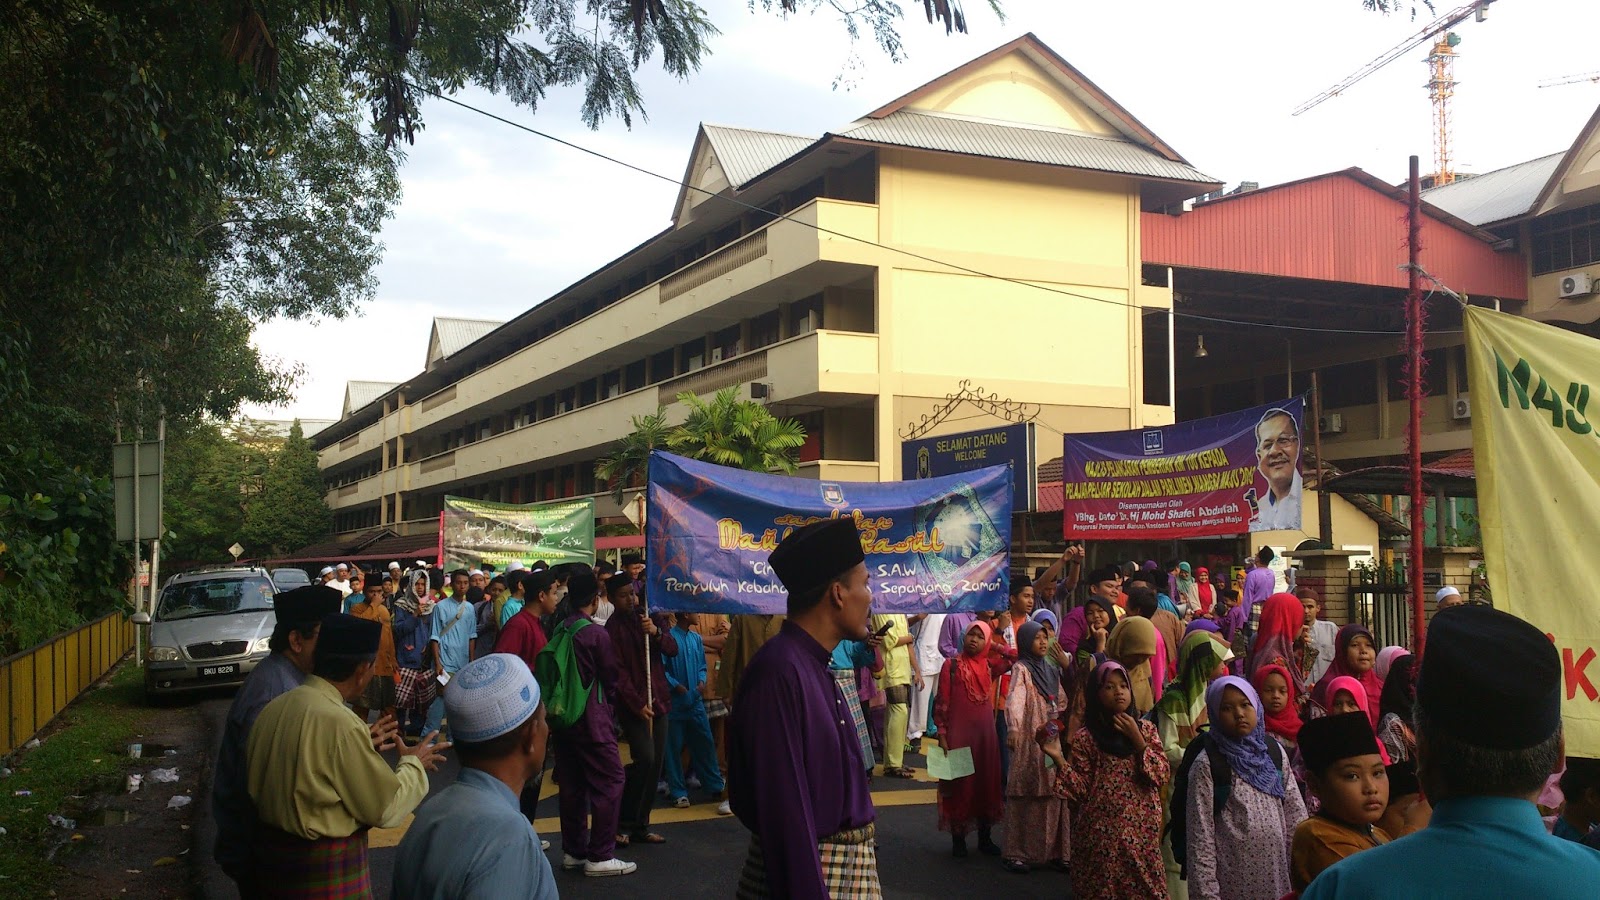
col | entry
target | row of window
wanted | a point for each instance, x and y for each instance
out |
(801, 318)
(1566, 240)
(1349, 384)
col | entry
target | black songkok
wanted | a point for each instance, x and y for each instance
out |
(305, 606)
(811, 556)
(1329, 739)
(348, 637)
(1489, 679)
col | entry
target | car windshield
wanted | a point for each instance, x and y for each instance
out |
(214, 597)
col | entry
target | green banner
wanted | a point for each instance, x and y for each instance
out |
(475, 532)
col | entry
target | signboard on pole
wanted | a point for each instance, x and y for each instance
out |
(932, 545)
(972, 450)
(474, 532)
(148, 474)
(1224, 475)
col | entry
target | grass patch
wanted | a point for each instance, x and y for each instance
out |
(84, 753)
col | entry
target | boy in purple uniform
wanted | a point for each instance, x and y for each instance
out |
(587, 765)
(795, 773)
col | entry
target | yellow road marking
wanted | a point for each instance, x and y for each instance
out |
(700, 812)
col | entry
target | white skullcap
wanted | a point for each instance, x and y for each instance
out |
(475, 572)
(490, 696)
(421, 565)
(1446, 591)
(516, 566)
(394, 565)
(326, 570)
(344, 566)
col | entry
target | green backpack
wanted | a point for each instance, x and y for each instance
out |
(556, 668)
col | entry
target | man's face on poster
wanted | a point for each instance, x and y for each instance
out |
(1278, 452)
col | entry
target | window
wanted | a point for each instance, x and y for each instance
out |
(611, 384)
(694, 356)
(662, 366)
(587, 392)
(764, 329)
(633, 376)
(725, 344)
(1352, 384)
(1566, 240)
(805, 316)
(1157, 359)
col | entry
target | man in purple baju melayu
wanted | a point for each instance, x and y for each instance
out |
(796, 778)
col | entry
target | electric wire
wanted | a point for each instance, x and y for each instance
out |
(900, 250)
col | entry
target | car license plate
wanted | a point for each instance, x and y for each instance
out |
(218, 671)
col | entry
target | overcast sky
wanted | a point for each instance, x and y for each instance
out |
(494, 220)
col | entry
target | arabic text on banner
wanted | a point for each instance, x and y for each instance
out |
(1222, 475)
(1537, 455)
(479, 531)
(932, 545)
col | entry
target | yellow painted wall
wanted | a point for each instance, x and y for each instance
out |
(1015, 89)
(1351, 526)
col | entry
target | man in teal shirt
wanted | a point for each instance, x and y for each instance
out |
(1488, 724)
(455, 639)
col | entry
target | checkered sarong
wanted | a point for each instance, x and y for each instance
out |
(849, 862)
(846, 679)
(286, 866)
(414, 690)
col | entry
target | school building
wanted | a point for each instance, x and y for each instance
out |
(985, 227)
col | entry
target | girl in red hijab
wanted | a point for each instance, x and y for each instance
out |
(1207, 592)
(963, 712)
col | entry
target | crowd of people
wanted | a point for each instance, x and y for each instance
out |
(1145, 729)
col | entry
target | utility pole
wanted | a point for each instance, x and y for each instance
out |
(1414, 314)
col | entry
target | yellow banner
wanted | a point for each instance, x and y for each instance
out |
(1537, 454)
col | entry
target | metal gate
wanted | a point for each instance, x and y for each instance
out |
(1380, 600)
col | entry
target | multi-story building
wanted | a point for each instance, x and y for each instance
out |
(985, 227)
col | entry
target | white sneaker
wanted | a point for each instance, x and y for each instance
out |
(661, 787)
(694, 782)
(544, 844)
(570, 862)
(609, 867)
(724, 809)
(681, 803)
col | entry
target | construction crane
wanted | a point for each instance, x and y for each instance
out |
(1569, 79)
(1441, 77)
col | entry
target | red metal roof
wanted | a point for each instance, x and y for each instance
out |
(1344, 226)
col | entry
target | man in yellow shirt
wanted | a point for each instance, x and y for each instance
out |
(316, 780)
(895, 679)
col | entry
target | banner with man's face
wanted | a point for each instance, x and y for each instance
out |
(1222, 475)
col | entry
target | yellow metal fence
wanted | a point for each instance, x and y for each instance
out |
(37, 684)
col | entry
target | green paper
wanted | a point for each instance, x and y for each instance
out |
(950, 766)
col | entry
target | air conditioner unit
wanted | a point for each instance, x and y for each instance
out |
(1576, 285)
(1461, 408)
(1332, 423)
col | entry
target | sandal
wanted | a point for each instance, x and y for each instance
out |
(647, 838)
(902, 772)
(622, 840)
(1016, 866)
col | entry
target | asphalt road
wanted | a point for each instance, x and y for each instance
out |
(704, 851)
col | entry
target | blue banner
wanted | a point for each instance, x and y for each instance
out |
(968, 451)
(932, 545)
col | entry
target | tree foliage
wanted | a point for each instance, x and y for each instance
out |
(212, 475)
(290, 511)
(727, 431)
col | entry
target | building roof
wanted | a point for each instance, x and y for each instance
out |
(1507, 193)
(1068, 77)
(1344, 227)
(451, 336)
(1024, 143)
(359, 393)
(279, 428)
(745, 153)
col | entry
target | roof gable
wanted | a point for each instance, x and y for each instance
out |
(1576, 181)
(451, 336)
(359, 393)
(726, 158)
(1028, 83)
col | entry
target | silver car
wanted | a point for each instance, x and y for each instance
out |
(209, 629)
